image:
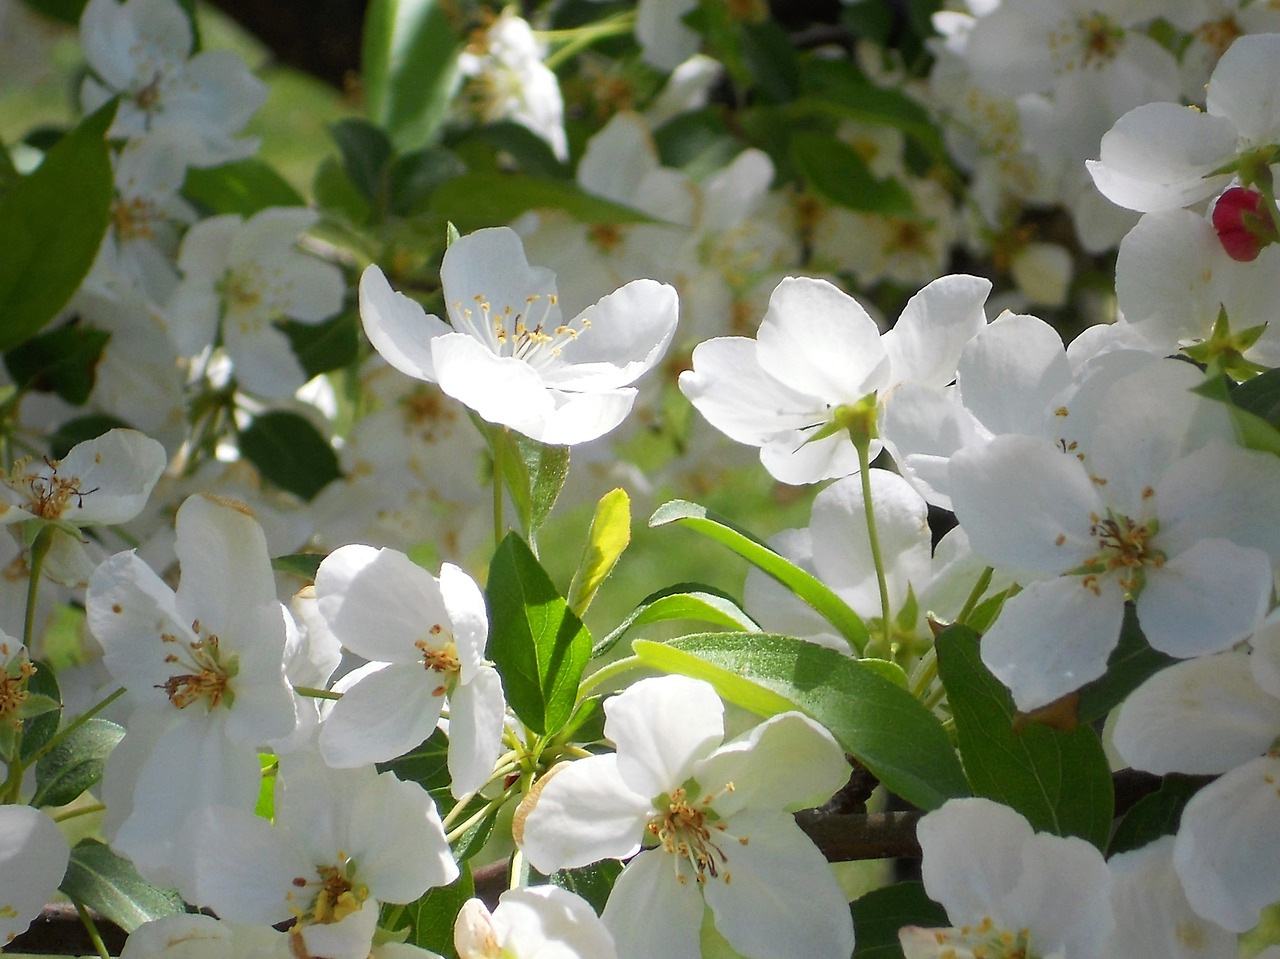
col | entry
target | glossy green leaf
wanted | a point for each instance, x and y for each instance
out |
(75, 764)
(693, 601)
(479, 199)
(837, 87)
(432, 915)
(409, 59)
(1157, 814)
(109, 884)
(607, 539)
(1252, 430)
(592, 883)
(366, 156)
(53, 221)
(243, 187)
(879, 915)
(290, 452)
(63, 361)
(1059, 780)
(539, 646)
(838, 172)
(323, 347)
(1131, 663)
(534, 474)
(804, 584)
(873, 718)
(302, 565)
(37, 731)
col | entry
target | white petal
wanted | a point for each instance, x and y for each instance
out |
(115, 474)
(1053, 637)
(384, 714)
(763, 915)
(399, 329)
(33, 858)
(1202, 716)
(584, 813)
(1063, 896)
(501, 389)
(1009, 372)
(397, 840)
(1228, 845)
(971, 856)
(477, 711)
(1245, 89)
(532, 919)
(662, 727)
(241, 866)
(583, 417)
(648, 888)
(924, 345)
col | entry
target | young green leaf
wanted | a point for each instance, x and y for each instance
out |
(1060, 780)
(608, 537)
(75, 764)
(682, 601)
(538, 645)
(109, 884)
(804, 584)
(53, 221)
(872, 717)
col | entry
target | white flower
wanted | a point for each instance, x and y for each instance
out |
(509, 355)
(343, 842)
(33, 858)
(204, 668)
(1148, 509)
(532, 922)
(239, 277)
(1008, 891)
(203, 937)
(713, 821)
(1161, 156)
(426, 638)
(1218, 715)
(141, 49)
(818, 354)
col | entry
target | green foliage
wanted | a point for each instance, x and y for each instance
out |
(1059, 780)
(243, 187)
(1131, 663)
(290, 452)
(607, 539)
(488, 198)
(76, 763)
(61, 361)
(534, 474)
(538, 645)
(593, 883)
(839, 173)
(53, 221)
(873, 718)
(322, 347)
(693, 601)
(1157, 814)
(879, 915)
(302, 565)
(109, 884)
(804, 584)
(431, 916)
(1255, 414)
(409, 58)
(78, 430)
(38, 730)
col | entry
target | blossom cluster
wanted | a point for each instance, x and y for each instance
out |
(286, 659)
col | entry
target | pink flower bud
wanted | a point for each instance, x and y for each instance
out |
(1241, 223)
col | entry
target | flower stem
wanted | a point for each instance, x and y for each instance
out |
(91, 928)
(497, 446)
(579, 38)
(76, 723)
(615, 668)
(460, 830)
(82, 811)
(886, 613)
(314, 693)
(975, 595)
(39, 550)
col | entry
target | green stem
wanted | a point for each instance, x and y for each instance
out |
(580, 38)
(82, 811)
(87, 921)
(71, 727)
(975, 595)
(460, 830)
(615, 668)
(886, 612)
(39, 550)
(925, 673)
(498, 527)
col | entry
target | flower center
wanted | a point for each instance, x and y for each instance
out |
(1125, 547)
(13, 686)
(335, 893)
(441, 659)
(209, 672)
(1217, 35)
(692, 831)
(48, 494)
(1088, 43)
(985, 940)
(534, 334)
(134, 218)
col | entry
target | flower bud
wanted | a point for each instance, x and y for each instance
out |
(1242, 224)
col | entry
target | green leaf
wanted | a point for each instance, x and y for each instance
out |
(1252, 430)
(38, 730)
(698, 142)
(873, 718)
(534, 473)
(62, 361)
(1060, 780)
(608, 537)
(336, 195)
(301, 565)
(290, 452)
(243, 187)
(78, 430)
(495, 146)
(1157, 814)
(539, 647)
(485, 198)
(75, 764)
(771, 57)
(366, 155)
(322, 347)
(432, 915)
(409, 68)
(682, 601)
(1131, 663)
(53, 221)
(415, 175)
(879, 915)
(68, 11)
(804, 584)
(839, 88)
(837, 171)
(1260, 396)
(109, 884)
(592, 883)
